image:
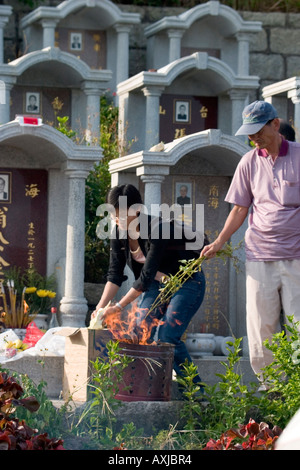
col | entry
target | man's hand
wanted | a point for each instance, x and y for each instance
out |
(209, 251)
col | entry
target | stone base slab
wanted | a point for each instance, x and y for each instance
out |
(51, 370)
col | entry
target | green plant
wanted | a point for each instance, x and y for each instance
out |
(281, 401)
(172, 283)
(192, 408)
(38, 290)
(14, 311)
(229, 401)
(64, 128)
(97, 186)
(98, 418)
(244, 5)
(15, 434)
(47, 418)
(31, 3)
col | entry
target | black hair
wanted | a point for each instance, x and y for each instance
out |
(287, 131)
(131, 192)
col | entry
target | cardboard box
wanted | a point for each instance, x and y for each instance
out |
(82, 346)
(147, 378)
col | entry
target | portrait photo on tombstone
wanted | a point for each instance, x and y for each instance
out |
(182, 111)
(75, 41)
(32, 102)
(183, 193)
(5, 182)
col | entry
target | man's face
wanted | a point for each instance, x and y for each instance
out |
(264, 138)
(183, 191)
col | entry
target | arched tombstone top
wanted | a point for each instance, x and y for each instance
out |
(104, 12)
(227, 20)
(52, 54)
(199, 61)
(43, 147)
(221, 150)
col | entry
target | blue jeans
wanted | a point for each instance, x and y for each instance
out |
(175, 316)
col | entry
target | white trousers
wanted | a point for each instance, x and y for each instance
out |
(271, 286)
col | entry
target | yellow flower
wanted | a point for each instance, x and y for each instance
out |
(30, 290)
(51, 294)
(42, 292)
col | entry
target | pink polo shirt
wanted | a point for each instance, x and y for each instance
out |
(272, 190)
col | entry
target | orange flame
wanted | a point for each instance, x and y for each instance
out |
(124, 326)
(26, 307)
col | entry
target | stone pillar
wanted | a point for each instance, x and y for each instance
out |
(294, 95)
(152, 94)
(152, 194)
(280, 103)
(174, 36)
(122, 52)
(92, 123)
(243, 54)
(5, 106)
(5, 12)
(73, 306)
(239, 99)
(152, 177)
(48, 32)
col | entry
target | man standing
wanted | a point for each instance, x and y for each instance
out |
(266, 184)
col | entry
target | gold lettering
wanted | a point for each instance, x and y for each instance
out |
(213, 200)
(179, 133)
(31, 190)
(3, 240)
(203, 112)
(3, 262)
(3, 217)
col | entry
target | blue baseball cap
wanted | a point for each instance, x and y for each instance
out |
(255, 116)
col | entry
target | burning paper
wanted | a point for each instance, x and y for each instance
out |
(132, 326)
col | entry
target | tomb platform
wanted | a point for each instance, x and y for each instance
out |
(160, 414)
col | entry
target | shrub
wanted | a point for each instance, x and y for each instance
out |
(15, 434)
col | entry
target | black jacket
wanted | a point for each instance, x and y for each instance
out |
(164, 254)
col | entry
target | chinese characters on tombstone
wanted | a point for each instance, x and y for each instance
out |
(191, 189)
(23, 219)
(185, 115)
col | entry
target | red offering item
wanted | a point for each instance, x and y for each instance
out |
(33, 334)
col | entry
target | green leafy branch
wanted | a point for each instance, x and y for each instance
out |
(173, 283)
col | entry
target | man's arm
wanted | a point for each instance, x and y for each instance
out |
(233, 222)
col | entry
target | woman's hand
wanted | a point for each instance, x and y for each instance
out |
(111, 311)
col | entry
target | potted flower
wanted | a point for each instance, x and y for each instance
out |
(40, 300)
(28, 296)
(15, 312)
